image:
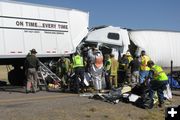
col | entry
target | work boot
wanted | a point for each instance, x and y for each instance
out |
(91, 90)
(161, 105)
(34, 91)
(82, 90)
(28, 91)
(77, 91)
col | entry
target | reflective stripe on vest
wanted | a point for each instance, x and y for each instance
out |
(144, 60)
(77, 61)
(159, 74)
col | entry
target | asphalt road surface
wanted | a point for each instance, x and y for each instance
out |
(16, 105)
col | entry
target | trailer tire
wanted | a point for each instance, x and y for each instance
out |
(16, 77)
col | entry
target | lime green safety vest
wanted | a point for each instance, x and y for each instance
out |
(159, 74)
(108, 66)
(129, 58)
(77, 61)
(144, 60)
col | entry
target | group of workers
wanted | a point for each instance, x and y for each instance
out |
(105, 70)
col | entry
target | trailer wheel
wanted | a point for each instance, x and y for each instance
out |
(16, 77)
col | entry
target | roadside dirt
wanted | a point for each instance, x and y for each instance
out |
(16, 105)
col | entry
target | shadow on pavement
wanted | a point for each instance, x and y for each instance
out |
(9, 88)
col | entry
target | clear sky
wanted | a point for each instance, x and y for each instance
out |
(134, 14)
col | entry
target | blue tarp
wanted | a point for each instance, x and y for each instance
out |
(173, 83)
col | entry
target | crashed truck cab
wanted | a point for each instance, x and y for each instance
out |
(109, 39)
(162, 46)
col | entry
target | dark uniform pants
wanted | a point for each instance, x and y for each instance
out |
(31, 79)
(79, 72)
(158, 86)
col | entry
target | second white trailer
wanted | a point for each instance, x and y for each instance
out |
(161, 46)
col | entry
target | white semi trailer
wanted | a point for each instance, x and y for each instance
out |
(52, 31)
(161, 46)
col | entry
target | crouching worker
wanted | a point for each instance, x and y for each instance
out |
(63, 70)
(158, 82)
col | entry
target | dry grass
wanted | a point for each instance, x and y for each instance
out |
(3, 73)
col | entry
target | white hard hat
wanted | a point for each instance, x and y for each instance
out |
(128, 53)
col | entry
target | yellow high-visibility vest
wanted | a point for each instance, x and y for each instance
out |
(159, 74)
(144, 60)
(77, 61)
(130, 58)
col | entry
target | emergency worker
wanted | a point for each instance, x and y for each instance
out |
(123, 65)
(78, 66)
(31, 66)
(134, 66)
(63, 70)
(98, 59)
(96, 68)
(158, 82)
(107, 68)
(113, 73)
(128, 71)
(129, 56)
(144, 69)
(86, 60)
(91, 56)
